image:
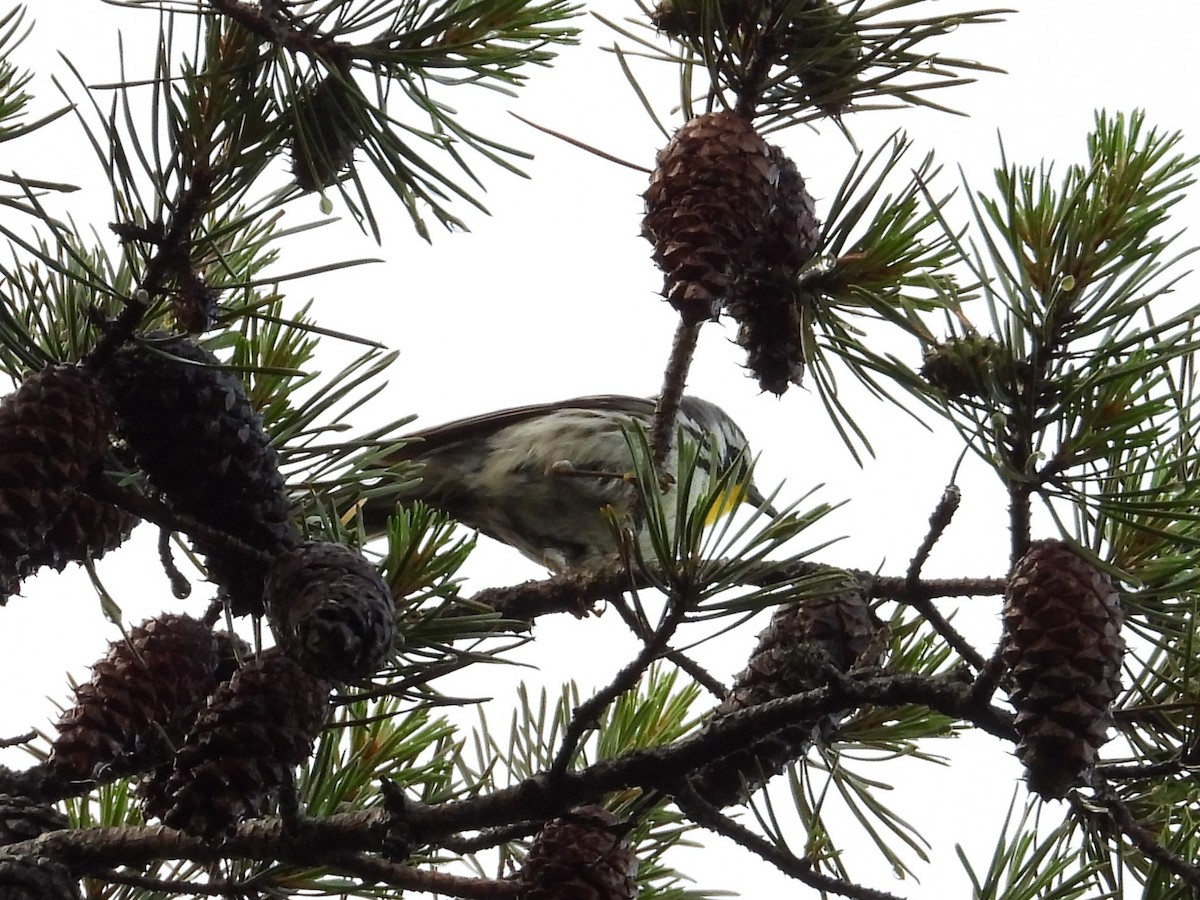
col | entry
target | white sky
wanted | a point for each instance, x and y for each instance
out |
(556, 296)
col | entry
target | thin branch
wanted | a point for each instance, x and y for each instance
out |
(238, 887)
(666, 409)
(280, 30)
(588, 713)
(442, 884)
(18, 740)
(578, 592)
(1144, 839)
(157, 512)
(491, 837)
(939, 521)
(685, 663)
(538, 798)
(800, 868)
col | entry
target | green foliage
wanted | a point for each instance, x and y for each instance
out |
(1027, 866)
(658, 712)
(804, 60)
(885, 258)
(697, 557)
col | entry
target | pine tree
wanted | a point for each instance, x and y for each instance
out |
(167, 377)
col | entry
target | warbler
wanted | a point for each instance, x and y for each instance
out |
(540, 477)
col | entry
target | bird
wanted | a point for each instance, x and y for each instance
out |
(540, 477)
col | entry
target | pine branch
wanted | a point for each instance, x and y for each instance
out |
(579, 592)
(799, 868)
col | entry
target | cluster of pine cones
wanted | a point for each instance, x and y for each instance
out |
(214, 730)
(732, 226)
(1061, 646)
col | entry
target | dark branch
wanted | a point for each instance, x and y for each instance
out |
(578, 592)
(798, 867)
(662, 435)
(1144, 839)
(535, 799)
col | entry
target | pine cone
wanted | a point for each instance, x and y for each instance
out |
(711, 193)
(794, 654)
(36, 878)
(1062, 645)
(579, 856)
(766, 300)
(194, 432)
(53, 431)
(768, 309)
(325, 131)
(140, 701)
(688, 18)
(961, 366)
(231, 652)
(823, 47)
(330, 611)
(243, 746)
(23, 819)
(86, 530)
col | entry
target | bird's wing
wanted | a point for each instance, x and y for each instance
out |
(475, 427)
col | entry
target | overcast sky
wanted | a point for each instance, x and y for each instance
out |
(555, 295)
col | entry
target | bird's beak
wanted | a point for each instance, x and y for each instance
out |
(755, 497)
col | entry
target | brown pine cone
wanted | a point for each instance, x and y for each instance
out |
(579, 856)
(86, 530)
(711, 192)
(243, 746)
(1062, 645)
(766, 300)
(53, 430)
(330, 610)
(803, 642)
(195, 433)
(141, 699)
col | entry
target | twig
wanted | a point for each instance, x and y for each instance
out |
(666, 409)
(282, 30)
(1143, 838)
(427, 881)
(1019, 520)
(238, 887)
(538, 798)
(587, 713)
(939, 521)
(686, 664)
(989, 679)
(491, 837)
(100, 488)
(577, 592)
(800, 868)
(1120, 772)
(181, 588)
(18, 740)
